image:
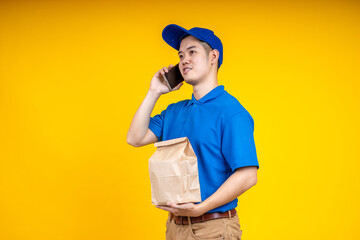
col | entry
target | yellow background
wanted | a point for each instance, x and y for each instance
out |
(72, 76)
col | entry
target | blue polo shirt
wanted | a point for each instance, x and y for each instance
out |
(220, 131)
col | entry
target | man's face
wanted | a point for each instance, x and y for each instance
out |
(194, 62)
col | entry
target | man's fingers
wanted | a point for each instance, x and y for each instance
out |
(178, 209)
(174, 205)
(165, 69)
(181, 206)
(169, 209)
(177, 86)
(163, 208)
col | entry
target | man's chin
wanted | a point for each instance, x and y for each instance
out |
(190, 81)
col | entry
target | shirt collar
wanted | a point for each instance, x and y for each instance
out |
(214, 93)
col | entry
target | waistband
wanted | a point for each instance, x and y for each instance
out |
(183, 220)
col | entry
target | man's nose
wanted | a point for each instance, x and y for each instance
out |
(186, 59)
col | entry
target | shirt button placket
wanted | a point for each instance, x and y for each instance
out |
(187, 117)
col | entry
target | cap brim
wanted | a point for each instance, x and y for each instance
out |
(172, 33)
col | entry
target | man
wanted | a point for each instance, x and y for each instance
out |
(219, 129)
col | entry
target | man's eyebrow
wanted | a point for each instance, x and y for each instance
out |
(187, 49)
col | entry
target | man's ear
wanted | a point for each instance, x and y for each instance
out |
(214, 56)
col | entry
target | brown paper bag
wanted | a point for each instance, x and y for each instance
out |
(174, 173)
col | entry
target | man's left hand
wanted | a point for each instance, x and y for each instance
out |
(183, 209)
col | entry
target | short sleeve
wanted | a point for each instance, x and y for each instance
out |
(238, 145)
(156, 124)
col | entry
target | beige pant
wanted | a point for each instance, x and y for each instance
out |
(222, 228)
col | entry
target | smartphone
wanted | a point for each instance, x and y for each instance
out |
(173, 77)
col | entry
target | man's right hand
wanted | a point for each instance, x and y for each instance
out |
(158, 84)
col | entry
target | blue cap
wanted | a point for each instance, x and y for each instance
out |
(173, 33)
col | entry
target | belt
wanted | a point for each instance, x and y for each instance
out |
(182, 220)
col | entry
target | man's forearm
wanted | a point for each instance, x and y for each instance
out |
(240, 181)
(141, 119)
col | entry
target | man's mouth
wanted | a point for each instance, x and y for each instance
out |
(186, 70)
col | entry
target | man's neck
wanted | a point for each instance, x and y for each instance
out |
(205, 87)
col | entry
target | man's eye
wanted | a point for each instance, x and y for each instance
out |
(192, 51)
